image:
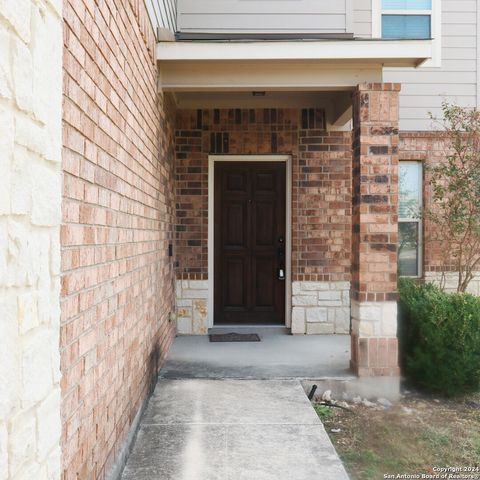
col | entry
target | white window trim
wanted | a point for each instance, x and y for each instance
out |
(416, 220)
(436, 27)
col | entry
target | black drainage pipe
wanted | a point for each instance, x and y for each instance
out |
(312, 392)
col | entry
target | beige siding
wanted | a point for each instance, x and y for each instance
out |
(362, 18)
(424, 89)
(262, 16)
(163, 13)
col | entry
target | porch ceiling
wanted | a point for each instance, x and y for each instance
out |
(292, 65)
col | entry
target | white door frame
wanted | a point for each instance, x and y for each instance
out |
(288, 224)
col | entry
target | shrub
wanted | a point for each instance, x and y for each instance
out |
(439, 338)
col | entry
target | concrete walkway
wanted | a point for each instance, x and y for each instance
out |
(278, 356)
(204, 429)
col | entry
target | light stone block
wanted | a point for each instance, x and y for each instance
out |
(298, 321)
(198, 284)
(3, 251)
(5, 67)
(374, 319)
(6, 149)
(296, 288)
(315, 315)
(200, 317)
(184, 326)
(3, 450)
(17, 14)
(342, 314)
(184, 312)
(22, 441)
(37, 381)
(389, 319)
(30, 135)
(49, 426)
(52, 464)
(304, 300)
(182, 302)
(56, 5)
(346, 297)
(27, 313)
(21, 184)
(320, 329)
(330, 303)
(22, 75)
(334, 295)
(9, 351)
(366, 329)
(55, 257)
(314, 286)
(195, 294)
(46, 195)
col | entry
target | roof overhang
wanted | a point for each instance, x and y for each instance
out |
(278, 65)
(401, 53)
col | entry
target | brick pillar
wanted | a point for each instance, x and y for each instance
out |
(375, 230)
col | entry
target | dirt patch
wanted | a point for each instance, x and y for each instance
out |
(414, 437)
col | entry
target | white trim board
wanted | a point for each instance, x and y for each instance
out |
(406, 52)
(288, 225)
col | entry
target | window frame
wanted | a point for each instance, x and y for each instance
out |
(435, 27)
(418, 220)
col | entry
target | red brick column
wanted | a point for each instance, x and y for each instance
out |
(375, 230)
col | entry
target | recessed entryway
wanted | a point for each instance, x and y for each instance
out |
(249, 240)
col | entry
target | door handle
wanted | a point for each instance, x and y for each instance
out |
(281, 259)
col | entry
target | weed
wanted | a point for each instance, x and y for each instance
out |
(323, 411)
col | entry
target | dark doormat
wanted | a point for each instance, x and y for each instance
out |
(234, 337)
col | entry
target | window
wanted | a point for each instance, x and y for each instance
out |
(409, 220)
(407, 19)
(410, 20)
(406, 26)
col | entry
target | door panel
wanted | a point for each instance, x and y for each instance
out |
(235, 221)
(234, 294)
(263, 278)
(264, 223)
(249, 244)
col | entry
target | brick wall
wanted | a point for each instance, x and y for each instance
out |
(321, 179)
(430, 148)
(321, 208)
(118, 208)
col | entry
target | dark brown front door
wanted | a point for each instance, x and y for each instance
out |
(249, 243)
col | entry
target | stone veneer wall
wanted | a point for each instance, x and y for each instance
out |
(320, 307)
(118, 208)
(451, 281)
(30, 204)
(192, 307)
(321, 204)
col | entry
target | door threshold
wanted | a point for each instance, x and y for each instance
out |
(267, 329)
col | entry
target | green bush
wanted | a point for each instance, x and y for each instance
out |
(439, 338)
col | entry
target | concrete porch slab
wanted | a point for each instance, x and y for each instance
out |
(278, 356)
(201, 429)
